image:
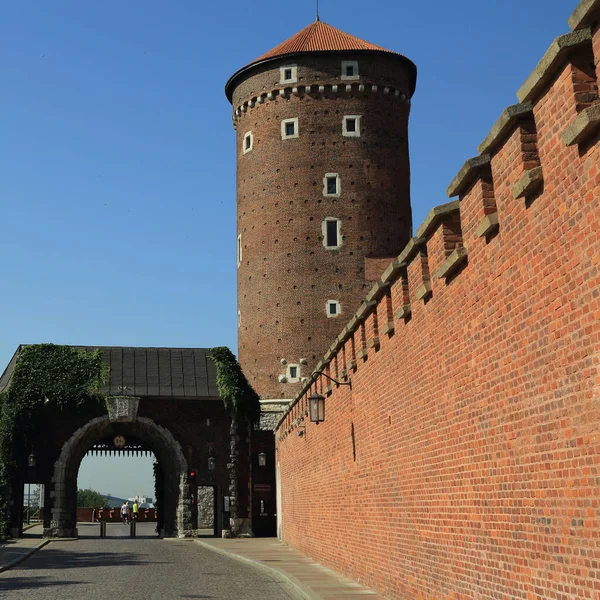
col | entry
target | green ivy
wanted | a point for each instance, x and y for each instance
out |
(239, 397)
(46, 378)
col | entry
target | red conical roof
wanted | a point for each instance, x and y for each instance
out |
(319, 37)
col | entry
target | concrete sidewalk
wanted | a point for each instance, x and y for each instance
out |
(14, 551)
(312, 580)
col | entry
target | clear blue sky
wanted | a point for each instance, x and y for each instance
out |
(117, 157)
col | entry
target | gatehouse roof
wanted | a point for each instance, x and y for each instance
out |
(154, 372)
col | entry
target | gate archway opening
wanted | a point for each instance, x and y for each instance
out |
(175, 512)
(115, 470)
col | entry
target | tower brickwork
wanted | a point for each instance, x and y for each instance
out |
(322, 194)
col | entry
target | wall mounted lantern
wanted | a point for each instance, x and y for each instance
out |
(31, 459)
(316, 408)
(262, 459)
(212, 463)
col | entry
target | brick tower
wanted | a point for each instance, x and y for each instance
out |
(323, 194)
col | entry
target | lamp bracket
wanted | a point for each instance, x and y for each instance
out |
(314, 373)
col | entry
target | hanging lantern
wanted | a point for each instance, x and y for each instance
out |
(316, 407)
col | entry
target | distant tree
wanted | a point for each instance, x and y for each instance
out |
(89, 499)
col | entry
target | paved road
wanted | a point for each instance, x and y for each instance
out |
(137, 569)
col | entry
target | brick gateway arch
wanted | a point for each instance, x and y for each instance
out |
(167, 398)
(177, 514)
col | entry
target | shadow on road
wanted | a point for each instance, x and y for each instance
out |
(31, 583)
(54, 558)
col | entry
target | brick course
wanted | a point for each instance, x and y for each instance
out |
(465, 461)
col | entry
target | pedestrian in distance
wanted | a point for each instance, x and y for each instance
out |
(124, 513)
(134, 508)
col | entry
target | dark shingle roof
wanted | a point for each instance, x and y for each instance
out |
(161, 372)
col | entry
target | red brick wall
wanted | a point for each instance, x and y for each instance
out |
(465, 461)
(286, 275)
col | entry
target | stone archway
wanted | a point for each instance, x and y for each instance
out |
(176, 509)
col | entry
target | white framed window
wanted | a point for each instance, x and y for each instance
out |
(239, 250)
(288, 74)
(332, 186)
(239, 319)
(293, 373)
(351, 126)
(332, 308)
(248, 142)
(349, 70)
(289, 129)
(331, 227)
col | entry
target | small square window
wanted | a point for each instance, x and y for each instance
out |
(351, 126)
(332, 185)
(289, 129)
(288, 74)
(349, 70)
(333, 308)
(293, 373)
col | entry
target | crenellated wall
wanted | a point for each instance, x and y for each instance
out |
(464, 460)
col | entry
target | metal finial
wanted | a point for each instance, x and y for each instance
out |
(318, 19)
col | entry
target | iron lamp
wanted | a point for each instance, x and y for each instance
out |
(316, 408)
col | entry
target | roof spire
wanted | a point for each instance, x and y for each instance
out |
(317, 19)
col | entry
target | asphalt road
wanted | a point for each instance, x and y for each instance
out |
(137, 569)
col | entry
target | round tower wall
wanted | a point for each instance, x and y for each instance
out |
(286, 275)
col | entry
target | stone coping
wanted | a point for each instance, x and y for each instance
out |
(390, 274)
(455, 260)
(411, 248)
(377, 291)
(424, 291)
(501, 127)
(487, 225)
(583, 126)
(467, 174)
(584, 14)
(529, 181)
(275, 401)
(436, 215)
(550, 62)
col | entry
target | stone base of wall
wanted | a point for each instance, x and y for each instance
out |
(239, 528)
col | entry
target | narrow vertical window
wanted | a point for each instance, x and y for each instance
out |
(332, 238)
(239, 250)
(248, 142)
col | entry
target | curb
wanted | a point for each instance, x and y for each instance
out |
(27, 554)
(300, 588)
